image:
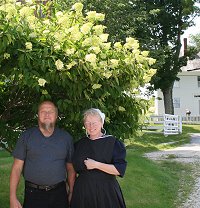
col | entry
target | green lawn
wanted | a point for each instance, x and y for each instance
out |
(147, 184)
(152, 185)
(5, 168)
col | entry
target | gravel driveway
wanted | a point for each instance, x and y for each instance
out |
(188, 153)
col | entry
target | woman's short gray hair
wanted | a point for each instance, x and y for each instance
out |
(94, 111)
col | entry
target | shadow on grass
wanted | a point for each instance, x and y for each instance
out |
(191, 128)
(149, 142)
(140, 148)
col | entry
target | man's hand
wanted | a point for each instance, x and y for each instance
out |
(69, 196)
(14, 181)
(14, 203)
(71, 179)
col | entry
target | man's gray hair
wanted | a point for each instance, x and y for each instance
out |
(48, 102)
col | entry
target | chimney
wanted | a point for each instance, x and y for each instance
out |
(185, 46)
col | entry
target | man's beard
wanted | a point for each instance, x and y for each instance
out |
(48, 126)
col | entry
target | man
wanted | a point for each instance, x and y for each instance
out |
(43, 154)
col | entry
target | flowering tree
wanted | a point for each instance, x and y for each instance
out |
(65, 57)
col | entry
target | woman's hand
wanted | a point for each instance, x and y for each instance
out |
(91, 164)
(107, 168)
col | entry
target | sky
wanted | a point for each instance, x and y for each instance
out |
(194, 29)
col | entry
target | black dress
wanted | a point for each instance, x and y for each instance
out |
(95, 188)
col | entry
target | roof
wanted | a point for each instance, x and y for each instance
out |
(192, 65)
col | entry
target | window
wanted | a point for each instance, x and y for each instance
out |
(199, 107)
(177, 84)
(176, 102)
(198, 80)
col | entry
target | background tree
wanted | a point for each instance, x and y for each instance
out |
(65, 57)
(195, 42)
(158, 25)
(168, 37)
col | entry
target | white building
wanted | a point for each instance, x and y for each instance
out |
(186, 91)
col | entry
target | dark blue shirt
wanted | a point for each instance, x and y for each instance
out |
(44, 158)
(119, 155)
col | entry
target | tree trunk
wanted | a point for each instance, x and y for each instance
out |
(168, 100)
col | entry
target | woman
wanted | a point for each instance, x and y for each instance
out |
(98, 159)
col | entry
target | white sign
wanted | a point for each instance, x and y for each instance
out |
(172, 124)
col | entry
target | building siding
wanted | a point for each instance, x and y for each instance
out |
(187, 91)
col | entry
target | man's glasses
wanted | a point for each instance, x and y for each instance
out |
(47, 112)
